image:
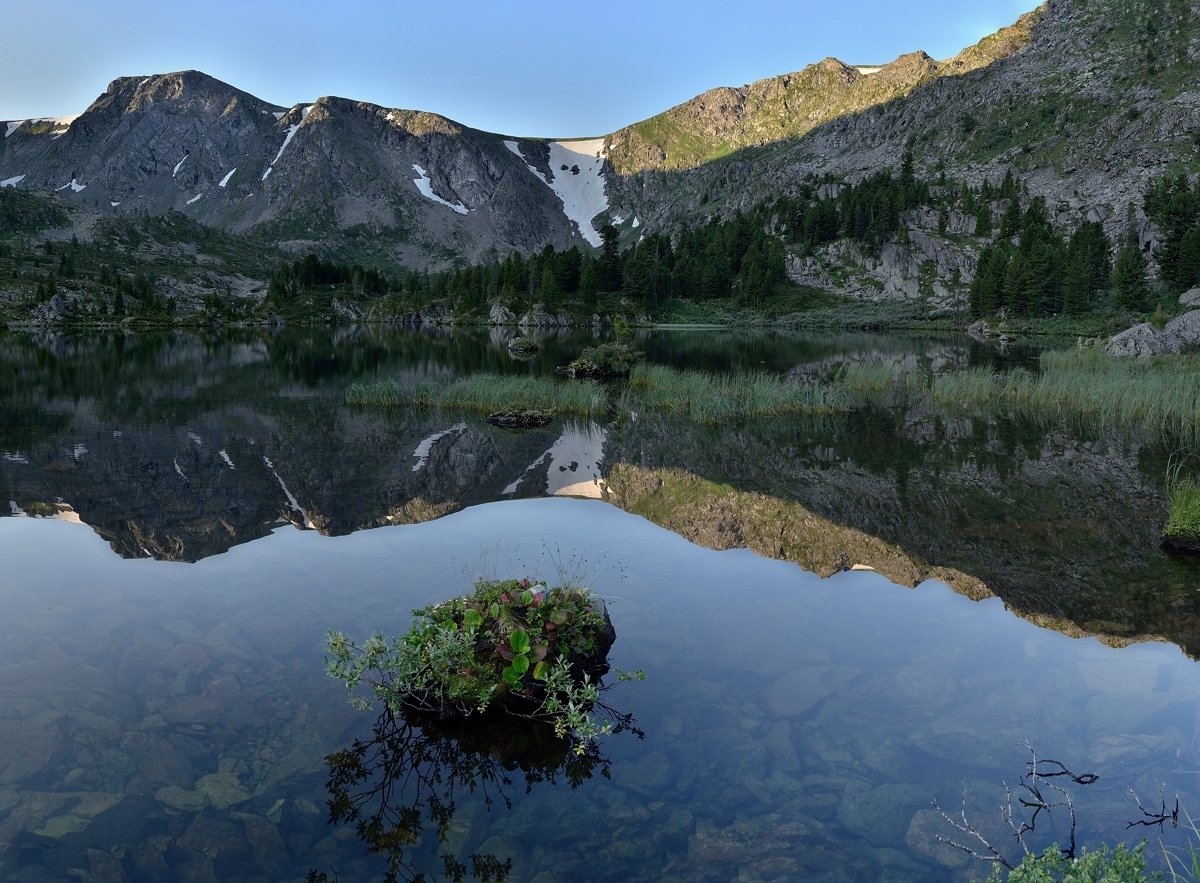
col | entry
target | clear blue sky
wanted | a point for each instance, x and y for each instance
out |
(523, 68)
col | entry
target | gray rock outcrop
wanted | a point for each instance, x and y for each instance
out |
(1181, 335)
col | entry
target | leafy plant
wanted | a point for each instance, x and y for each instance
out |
(534, 651)
(1104, 865)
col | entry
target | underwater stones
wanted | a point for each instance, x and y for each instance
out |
(924, 828)
(798, 690)
(181, 799)
(223, 790)
(881, 813)
(747, 840)
(649, 775)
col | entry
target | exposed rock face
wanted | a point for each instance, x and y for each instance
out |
(501, 315)
(406, 186)
(1190, 298)
(1076, 73)
(929, 268)
(539, 317)
(413, 186)
(1182, 335)
(1139, 342)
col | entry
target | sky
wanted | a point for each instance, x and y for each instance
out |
(528, 68)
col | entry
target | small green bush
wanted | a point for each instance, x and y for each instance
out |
(531, 650)
(604, 360)
(1120, 864)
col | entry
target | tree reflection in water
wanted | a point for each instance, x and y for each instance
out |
(409, 773)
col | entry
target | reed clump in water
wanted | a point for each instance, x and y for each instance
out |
(485, 393)
(717, 398)
(1160, 395)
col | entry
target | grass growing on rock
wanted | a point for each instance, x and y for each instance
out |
(716, 398)
(484, 393)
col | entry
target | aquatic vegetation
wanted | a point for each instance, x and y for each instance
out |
(1161, 395)
(715, 398)
(484, 393)
(1183, 523)
(534, 651)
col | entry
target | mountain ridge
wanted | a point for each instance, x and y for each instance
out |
(390, 186)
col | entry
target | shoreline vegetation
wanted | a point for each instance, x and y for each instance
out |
(1159, 396)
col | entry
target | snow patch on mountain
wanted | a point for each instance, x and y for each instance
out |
(178, 165)
(12, 182)
(574, 464)
(577, 169)
(113, 204)
(62, 123)
(74, 185)
(426, 445)
(194, 198)
(228, 175)
(292, 130)
(426, 187)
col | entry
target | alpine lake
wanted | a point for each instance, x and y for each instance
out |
(841, 619)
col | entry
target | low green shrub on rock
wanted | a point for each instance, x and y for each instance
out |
(533, 651)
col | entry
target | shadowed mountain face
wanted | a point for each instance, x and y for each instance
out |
(1060, 523)
(1086, 100)
(331, 170)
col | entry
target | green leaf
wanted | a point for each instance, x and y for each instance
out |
(520, 664)
(472, 618)
(519, 641)
(540, 671)
(527, 597)
(510, 675)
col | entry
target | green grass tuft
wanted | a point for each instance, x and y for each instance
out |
(484, 393)
(714, 398)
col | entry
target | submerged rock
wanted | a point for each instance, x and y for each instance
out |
(527, 418)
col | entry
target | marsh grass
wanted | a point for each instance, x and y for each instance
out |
(1183, 521)
(716, 398)
(484, 393)
(1161, 396)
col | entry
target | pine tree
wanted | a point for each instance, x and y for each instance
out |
(1130, 287)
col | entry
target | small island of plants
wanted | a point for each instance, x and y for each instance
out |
(510, 646)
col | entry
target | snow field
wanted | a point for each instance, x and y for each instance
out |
(426, 187)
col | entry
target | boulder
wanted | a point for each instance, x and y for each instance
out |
(501, 315)
(1138, 342)
(1182, 335)
(1190, 298)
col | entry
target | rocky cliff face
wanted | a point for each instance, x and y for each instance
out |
(412, 187)
(1086, 99)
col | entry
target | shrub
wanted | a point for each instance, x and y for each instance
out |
(604, 360)
(534, 651)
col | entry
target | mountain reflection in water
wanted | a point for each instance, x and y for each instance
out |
(179, 447)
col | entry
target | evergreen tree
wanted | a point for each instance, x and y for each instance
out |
(1130, 288)
(1010, 221)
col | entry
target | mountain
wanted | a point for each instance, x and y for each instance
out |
(721, 121)
(410, 186)
(1086, 100)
